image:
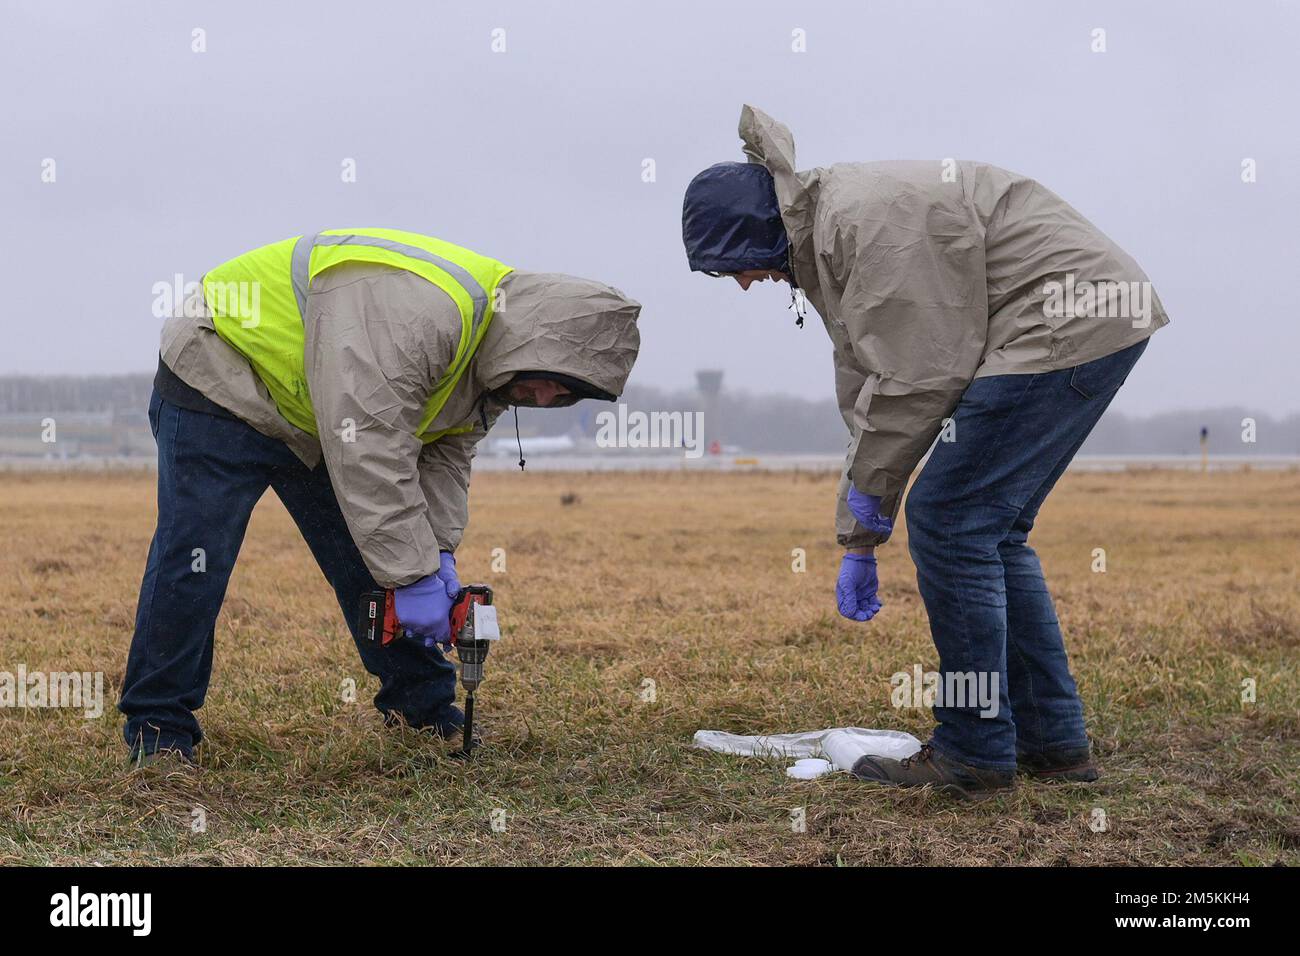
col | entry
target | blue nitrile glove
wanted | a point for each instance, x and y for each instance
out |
(424, 609)
(866, 509)
(855, 590)
(446, 573)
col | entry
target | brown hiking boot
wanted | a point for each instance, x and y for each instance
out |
(928, 767)
(1069, 766)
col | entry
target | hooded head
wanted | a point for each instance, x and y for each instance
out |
(576, 332)
(731, 221)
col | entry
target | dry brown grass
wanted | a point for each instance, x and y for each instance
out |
(685, 579)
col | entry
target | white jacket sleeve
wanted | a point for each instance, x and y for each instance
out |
(912, 305)
(376, 343)
(849, 380)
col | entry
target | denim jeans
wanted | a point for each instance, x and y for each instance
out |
(968, 517)
(211, 472)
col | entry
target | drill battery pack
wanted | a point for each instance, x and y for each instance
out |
(378, 618)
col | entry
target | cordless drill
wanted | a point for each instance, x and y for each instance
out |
(473, 628)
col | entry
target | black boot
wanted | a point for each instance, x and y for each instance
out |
(1072, 766)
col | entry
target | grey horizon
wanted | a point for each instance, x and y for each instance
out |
(171, 161)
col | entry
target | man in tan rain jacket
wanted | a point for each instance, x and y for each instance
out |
(969, 304)
(361, 404)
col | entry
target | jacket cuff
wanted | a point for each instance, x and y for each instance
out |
(861, 538)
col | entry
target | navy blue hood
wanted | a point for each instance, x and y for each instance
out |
(731, 221)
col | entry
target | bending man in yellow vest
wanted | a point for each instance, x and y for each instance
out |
(353, 371)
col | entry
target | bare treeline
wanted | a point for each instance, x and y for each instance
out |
(74, 393)
(772, 423)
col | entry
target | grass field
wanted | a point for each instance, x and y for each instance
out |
(684, 579)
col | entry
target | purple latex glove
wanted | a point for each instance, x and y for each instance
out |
(446, 573)
(424, 609)
(855, 590)
(866, 509)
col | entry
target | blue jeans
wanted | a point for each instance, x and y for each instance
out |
(968, 517)
(211, 472)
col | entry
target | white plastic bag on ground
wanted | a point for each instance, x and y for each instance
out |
(820, 751)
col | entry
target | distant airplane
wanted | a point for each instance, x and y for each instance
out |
(537, 445)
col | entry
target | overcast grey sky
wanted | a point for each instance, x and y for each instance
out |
(168, 160)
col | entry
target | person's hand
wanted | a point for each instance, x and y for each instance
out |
(866, 511)
(855, 590)
(424, 609)
(446, 573)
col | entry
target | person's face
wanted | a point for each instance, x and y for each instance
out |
(535, 392)
(750, 276)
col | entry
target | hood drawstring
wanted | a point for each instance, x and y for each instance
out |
(799, 303)
(482, 417)
(518, 440)
(798, 300)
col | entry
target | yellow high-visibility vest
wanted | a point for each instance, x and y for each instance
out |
(259, 300)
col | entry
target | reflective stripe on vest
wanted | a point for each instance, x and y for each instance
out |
(273, 340)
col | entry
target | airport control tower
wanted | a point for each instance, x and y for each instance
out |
(709, 383)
